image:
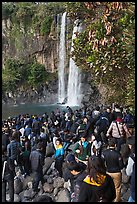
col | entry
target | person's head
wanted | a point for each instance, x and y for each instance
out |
(70, 157)
(58, 141)
(119, 119)
(39, 146)
(95, 166)
(74, 167)
(111, 143)
(83, 138)
(108, 109)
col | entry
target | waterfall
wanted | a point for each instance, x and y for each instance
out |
(61, 66)
(58, 17)
(74, 79)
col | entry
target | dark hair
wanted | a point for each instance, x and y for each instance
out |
(73, 165)
(111, 142)
(95, 167)
(59, 139)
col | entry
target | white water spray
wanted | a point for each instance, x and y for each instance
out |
(74, 80)
(61, 66)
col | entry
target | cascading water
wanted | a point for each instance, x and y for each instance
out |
(61, 66)
(74, 80)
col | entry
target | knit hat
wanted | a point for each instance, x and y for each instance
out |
(70, 157)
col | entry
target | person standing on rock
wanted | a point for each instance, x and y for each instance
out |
(8, 174)
(97, 186)
(114, 165)
(36, 159)
(59, 156)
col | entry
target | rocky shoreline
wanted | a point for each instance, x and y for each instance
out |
(54, 186)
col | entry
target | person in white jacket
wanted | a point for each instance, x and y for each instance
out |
(131, 159)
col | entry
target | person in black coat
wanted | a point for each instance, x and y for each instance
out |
(114, 165)
(98, 186)
(8, 173)
(36, 159)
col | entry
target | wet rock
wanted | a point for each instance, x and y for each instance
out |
(63, 196)
(48, 187)
(58, 182)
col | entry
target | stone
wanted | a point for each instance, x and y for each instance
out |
(17, 198)
(27, 181)
(55, 191)
(47, 163)
(63, 196)
(29, 193)
(58, 182)
(18, 185)
(30, 185)
(125, 178)
(48, 187)
(50, 180)
(43, 198)
(126, 195)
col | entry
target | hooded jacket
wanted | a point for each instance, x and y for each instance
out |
(91, 191)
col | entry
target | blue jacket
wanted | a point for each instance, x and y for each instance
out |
(59, 152)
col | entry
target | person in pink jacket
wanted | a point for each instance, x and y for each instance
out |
(118, 130)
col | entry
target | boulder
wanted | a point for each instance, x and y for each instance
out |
(47, 163)
(48, 188)
(58, 182)
(55, 191)
(29, 194)
(126, 195)
(27, 181)
(63, 196)
(18, 185)
(50, 180)
(17, 198)
(43, 198)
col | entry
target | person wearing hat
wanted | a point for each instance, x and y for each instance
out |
(117, 130)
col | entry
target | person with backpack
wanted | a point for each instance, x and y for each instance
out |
(78, 175)
(97, 186)
(8, 174)
(118, 130)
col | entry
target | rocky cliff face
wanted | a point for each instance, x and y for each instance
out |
(44, 50)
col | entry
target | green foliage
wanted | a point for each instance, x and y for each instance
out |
(37, 74)
(107, 46)
(46, 25)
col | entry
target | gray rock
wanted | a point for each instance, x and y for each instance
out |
(47, 163)
(126, 195)
(26, 181)
(125, 178)
(17, 198)
(50, 180)
(29, 193)
(48, 187)
(18, 186)
(49, 171)
(58, 182)
(55, 191)
(63, 196)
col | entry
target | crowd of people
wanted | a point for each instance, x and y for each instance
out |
(94, 166)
